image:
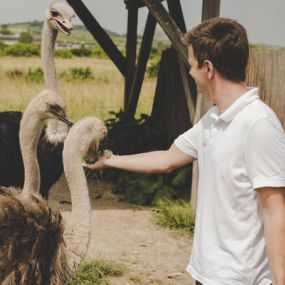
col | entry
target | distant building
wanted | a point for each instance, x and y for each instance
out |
(9, 39)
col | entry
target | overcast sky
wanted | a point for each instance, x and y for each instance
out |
(263, 19)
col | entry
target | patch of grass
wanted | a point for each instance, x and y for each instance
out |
(135, 278)
(175, 215)
(94, 272)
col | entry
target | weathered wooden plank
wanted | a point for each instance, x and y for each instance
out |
(211, 8)
(189, 86)
(168, 25)
(175, 10)
(141, 66)
(169, 110)
(131, 51)
(99, 34)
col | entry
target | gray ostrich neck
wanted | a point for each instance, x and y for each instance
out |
(77, 234)
(30, 130)
(47, 53)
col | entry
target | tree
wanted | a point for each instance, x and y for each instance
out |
(25, 37)
(4, 30)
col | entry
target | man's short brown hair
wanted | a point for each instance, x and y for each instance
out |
(222, 41)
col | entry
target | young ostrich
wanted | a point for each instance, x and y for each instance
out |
(38, 246)
(57, 18)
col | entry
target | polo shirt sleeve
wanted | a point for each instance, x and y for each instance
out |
(188, 141)
(265, 154)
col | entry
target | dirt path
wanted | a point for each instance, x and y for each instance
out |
(127, 234)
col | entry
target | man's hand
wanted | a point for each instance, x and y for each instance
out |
(101, 163)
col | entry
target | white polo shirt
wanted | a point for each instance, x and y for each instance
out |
(237, 151)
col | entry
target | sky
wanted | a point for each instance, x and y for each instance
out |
(264, 20)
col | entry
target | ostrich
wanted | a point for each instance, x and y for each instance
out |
(38, 246)
(57, 17)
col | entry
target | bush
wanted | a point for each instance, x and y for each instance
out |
(2, 45)
(128, 136)
(175, 215)
(81, 52)
(77, 73)
(99, 53)
(152, 69)
(34, 75)
(148, 189)
(23, 50)
(5, 31)
(94, 272)
(63, 53)
(26, 38)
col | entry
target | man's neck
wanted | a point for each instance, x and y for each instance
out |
(225, 93)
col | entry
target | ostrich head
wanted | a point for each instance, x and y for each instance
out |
(48, 105)
(59, 15)
(91, 132)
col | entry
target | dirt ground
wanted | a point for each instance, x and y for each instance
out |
(127, 234)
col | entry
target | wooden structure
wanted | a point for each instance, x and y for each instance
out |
(176, 105)
(133, 67)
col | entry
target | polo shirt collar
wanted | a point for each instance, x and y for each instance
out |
(236, 107)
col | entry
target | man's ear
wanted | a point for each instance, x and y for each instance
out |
(209, 68)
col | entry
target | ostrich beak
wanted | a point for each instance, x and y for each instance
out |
(62, 117)
(58, 112)
(63, 24)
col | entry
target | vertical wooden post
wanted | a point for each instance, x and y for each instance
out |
(131, 49)
(141, 66)
(211, 8)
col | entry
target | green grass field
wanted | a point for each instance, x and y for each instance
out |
(95, 97)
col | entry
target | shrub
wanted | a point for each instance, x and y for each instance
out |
(99, 53)
(23, 50)
(2, 45)
(128, 136)
(77, 73)
(148, 189)
(26, 38)
(63, 53)
(175, 214)
(94, 272)
(82, 51)
(152, 69)
(34, 75)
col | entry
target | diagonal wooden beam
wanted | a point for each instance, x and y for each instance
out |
(141, 66)
(175, 10)
(169, 27)
(100, 35)
(189, 85)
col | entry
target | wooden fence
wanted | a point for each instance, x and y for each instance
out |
(266, 70)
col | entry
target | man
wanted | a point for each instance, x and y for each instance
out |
(240, 146)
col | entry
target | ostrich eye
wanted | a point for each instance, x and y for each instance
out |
(54, 13)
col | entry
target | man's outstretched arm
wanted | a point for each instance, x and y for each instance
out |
(149, 162)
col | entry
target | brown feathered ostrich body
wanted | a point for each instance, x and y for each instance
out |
(25, 220)
(38, 246)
